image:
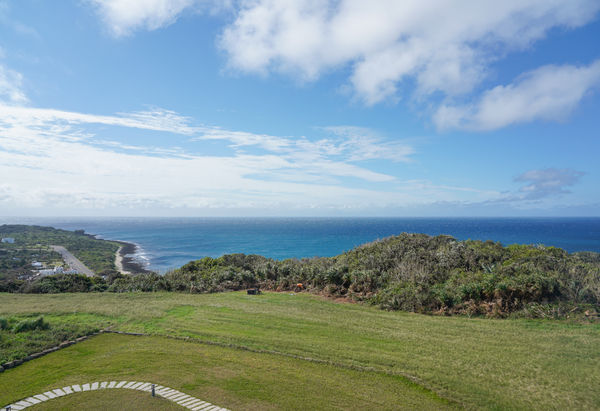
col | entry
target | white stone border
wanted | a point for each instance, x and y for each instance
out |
(178, 397)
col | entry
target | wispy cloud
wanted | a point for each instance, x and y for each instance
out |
(11, 86)
(18, 27)
(156, 119)
(123, 17)
(549, 93)
(53, 158)
(547, 182)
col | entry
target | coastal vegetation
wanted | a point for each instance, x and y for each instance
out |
(409, 272)
(298, 350)
(420, 273)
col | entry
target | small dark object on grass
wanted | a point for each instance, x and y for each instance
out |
(253, 291)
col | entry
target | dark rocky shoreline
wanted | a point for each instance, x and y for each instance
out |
(127, 261)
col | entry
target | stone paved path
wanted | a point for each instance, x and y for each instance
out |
(178, 397)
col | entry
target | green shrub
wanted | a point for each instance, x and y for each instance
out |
(30, 325)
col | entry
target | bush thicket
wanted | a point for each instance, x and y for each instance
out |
(411, 272)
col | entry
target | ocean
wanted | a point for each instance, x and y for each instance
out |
(166, 243)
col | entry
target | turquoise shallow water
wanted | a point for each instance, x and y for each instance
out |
(171, 242)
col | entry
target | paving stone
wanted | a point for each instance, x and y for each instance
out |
(76, 388)
(103, 384)
(50, 394)
(129, 384)
(197, 402)
(172, 395)
(183, 398)
(111, 384)
(120, 384)
(41, 397)
(187, 402)
(68, 390)
(194, 404)
(32, 400)
(16, 407)
(94, 386)
(59, 392)
(205, 406)
(145, 387)
(85, 387)
(24, 404)
(200, 407)
(136, 385)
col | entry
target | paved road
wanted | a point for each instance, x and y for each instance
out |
(72, 261)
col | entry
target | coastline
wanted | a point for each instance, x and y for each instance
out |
(124, 261)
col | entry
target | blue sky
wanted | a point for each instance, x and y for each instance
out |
(332, 108)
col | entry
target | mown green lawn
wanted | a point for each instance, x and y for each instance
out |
(226, 377)
(108, 400)
(480, 363)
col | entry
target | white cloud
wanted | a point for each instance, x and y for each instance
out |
(392, 48)
(11, 86)
(548, 93)
(444, 47)
(125, 16)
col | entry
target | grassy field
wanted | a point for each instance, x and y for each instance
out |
(223, 376)
(479, 363)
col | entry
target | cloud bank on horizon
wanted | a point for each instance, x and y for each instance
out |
(439, 64)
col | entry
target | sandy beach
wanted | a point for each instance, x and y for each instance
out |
(119, 261)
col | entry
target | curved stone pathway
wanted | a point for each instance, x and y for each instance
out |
(178, 397)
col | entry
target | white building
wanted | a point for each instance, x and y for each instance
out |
(8, 240)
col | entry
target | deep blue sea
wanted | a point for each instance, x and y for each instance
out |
(166, 243)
